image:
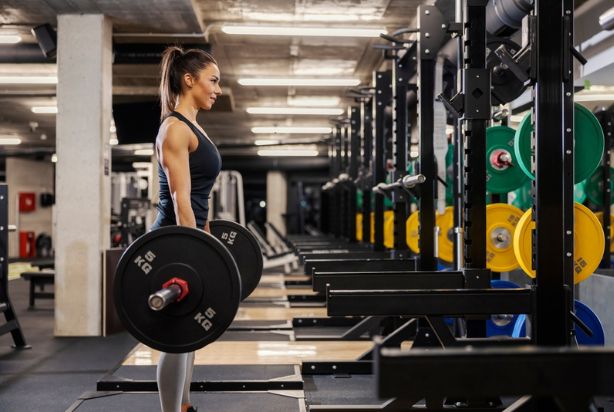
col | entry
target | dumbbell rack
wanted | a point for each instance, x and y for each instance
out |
(12, 324)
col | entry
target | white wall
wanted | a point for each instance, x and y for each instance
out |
(24, 175)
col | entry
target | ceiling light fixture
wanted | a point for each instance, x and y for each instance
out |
(265, 142)
(6, 79)
(9, 140)
(336, 15)
(10, 38)
(516, 118)
(299, 81)
(295, 110)
(298, 151)
(54, 158)
(144, 152)
(45, 109)
(291, 130)
(141, 165)
(314, 101)
(593, 97)
(301, 31)
(113, 141)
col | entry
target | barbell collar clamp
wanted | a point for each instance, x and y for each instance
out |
(164, 297)
(410, 181)
(406, 182)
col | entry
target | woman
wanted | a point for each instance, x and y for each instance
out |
(188, 164)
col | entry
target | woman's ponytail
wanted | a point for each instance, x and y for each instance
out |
(175, 63)
(170, 85)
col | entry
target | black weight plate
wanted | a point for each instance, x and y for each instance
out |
(244, 247)
(505, 87)
(213, 281)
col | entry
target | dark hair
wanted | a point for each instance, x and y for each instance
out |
(175, 63)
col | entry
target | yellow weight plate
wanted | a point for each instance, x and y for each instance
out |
(445, 243)
(589, 242)
(359, 226)
(599, 216)
(413, 232)
(372, 214)
(389, 229)
(501, 221)
(445, 240)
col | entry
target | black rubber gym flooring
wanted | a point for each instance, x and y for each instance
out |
(60, 374)
(56, 371)
(210, 401)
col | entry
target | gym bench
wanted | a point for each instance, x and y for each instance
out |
(39, 279)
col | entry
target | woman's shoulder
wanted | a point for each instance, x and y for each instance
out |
(173, 130)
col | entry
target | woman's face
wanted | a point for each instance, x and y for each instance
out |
(206, 88)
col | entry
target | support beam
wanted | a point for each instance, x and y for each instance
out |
(83, 194)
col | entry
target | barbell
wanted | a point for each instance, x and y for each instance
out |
(177, 289)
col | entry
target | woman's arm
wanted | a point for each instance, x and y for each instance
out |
(174, 158)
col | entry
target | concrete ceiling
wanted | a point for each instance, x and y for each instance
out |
(200, 21)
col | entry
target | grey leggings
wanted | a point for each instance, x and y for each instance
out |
(174, 376)
(174, 372)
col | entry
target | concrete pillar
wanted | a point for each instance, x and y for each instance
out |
(83, 200)
(276, 200)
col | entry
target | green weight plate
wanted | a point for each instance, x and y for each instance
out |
(387, 202)
(521, 197)
(500, 177)
(450, 175)
(245, 250)
(410, 167)
(193, 256)
(358, 199)
(387, 199)
(594, 187)
(588, 143)
(579, 192)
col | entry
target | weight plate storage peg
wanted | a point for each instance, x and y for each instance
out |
(196, 258)
(445, 242)
(245, 250)
(502, 172)
(585, 314)
(501, 221)
(588, 143)
(589, 242)
(594, 187)
(593, 322)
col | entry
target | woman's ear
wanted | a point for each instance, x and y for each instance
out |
(189, 80)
